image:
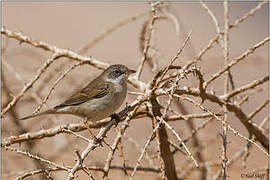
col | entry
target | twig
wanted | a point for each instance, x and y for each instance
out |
(110, 30)
(38, 171)
(251, 85)
(121, 154)
(237, 156)
(128, 168)
(162, 84)
(102, 133)
(163, 72)
(182, 143)
(216, 38)
(131, 140)
(34, 157)
(265, 120)
(174, 86)
(149, 139)
(236, 61)
(257, 110)
(111, 153)
(248, 14)
(232, 108)
(212, 16)
(193, 132)
(92, 168)
(64, 53)
(167, 160)
(30, 83)
(147, 43)
(20, 128)
(75, 134)
(229, 126)
(226, 89)
(55, 84)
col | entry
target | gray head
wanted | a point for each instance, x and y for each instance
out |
(117, 73)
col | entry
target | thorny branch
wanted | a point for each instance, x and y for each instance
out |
(166, 82)
(228, 78)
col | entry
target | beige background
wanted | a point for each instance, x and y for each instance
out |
(73, 25)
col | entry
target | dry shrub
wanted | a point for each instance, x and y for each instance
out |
(186, 117)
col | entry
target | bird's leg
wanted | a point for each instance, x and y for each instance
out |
(90, 132)
(116, 117)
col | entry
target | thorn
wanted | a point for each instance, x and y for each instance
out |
(20, 42)
(203, 99)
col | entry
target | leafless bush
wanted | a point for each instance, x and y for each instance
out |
(164, 99)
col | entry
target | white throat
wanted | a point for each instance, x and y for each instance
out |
(119, 80)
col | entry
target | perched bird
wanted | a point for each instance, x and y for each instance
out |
(99, 99)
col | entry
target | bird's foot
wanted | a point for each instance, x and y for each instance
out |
(116, 118)
(98, 141)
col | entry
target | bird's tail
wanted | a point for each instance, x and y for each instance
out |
(51, 111)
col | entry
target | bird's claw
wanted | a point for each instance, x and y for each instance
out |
(98, 141)
(116, 118)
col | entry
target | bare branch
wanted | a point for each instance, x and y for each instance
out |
(236, 61)
(244, 88)
(55, 84)
(229, 127)
(226, 88)
(156, 97)
(233, 108)
(102, 133)
(212, 16)
(30, 83)
(64, 53)
(248, 14)
(110, 30)
(34, 157)
(251, 115)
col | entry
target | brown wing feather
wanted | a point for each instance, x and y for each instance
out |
(87, 93)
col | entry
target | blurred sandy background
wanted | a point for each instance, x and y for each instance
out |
(72, 25)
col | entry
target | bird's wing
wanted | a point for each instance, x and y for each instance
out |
(94, 90)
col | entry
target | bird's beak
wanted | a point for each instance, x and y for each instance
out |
(130, 71)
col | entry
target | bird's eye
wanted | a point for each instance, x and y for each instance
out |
(117, 71)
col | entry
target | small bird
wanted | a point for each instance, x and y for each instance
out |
(99, 99)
